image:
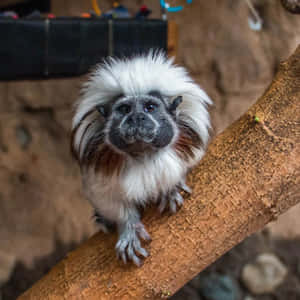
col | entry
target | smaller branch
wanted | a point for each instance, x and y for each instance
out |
(293, 6)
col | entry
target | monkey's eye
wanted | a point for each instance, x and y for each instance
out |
(124, 109)
(150, 107)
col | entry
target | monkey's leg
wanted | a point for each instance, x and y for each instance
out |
(131, 231)
(103, 223)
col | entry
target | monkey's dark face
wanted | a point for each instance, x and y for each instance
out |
(139, 124)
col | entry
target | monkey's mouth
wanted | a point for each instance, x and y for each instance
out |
(139, 138)
(133, 142)
(139, 146)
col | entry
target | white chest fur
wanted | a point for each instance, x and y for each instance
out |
(139, 182)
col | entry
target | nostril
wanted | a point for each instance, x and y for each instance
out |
(140, 117)
(130, 120)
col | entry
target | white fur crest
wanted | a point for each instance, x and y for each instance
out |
(141, 75)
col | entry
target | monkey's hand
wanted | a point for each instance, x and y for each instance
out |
(174, 199)
(129, 245)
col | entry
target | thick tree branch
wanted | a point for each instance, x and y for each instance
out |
(249, 176)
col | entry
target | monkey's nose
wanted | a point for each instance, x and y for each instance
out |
(138, 127)
(136, 119)
(140, 117)
(131, 121)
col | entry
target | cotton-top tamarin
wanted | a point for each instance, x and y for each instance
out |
(139, 126)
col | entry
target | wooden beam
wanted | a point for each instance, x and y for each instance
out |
(172, 38)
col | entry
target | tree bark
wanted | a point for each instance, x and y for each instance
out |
(248, 177)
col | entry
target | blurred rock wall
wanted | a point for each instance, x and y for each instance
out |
(40, 199)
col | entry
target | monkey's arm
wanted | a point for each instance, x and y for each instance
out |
(249, 176)
(126, 219)
(131, 231)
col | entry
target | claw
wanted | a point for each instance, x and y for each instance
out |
(132, 256)
(173, 199)
(120, 247)
(178, 199)
(173, 206)
(183, 186)
(139, 249)
(142, 252)
(129, 246)
(136, 260)
(123, 256)
(142, 232)
(163, 203)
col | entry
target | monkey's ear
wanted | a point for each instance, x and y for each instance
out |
(102, 110)
(173, 106)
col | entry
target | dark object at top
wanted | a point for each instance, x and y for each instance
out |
(25, 7)
(143, 12)
(43, 48)
(118, 12)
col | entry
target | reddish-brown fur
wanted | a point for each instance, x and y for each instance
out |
(103, 157)
(187, 140)
(108, 161)
(74, 153)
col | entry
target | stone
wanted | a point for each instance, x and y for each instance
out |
(264, 275)
(187, 293)
(216, 286)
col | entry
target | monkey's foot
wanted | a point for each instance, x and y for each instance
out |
(104, 224)
(173, 199)
(129, 245)
(184, 187)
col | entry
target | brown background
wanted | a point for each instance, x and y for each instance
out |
(40, 201)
